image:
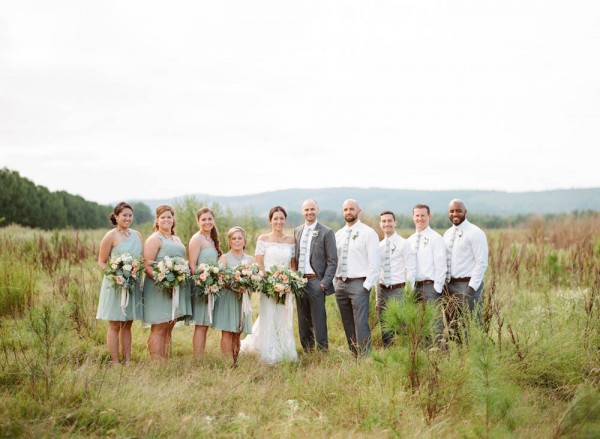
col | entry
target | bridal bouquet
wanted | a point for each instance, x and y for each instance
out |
(123, 273)
(280, 281)
(170, 272)
(246, 276)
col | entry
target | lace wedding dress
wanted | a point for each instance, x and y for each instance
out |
(272, 333)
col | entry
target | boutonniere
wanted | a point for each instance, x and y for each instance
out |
(393, 248)
(315, 233)
(355, 236)
(425, 241)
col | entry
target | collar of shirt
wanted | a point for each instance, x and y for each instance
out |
(393, 239)
(425, 232)
(312, 227)
(353, 226)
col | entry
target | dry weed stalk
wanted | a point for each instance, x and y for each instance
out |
(515, 342)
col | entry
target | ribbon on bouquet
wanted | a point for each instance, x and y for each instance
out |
(124, 299)
(289, 310)
(246, 309)
(175, 301)
(211, 306)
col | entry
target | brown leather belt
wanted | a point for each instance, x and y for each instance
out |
(460, 279)
(309, 276)
(351, 278)
(421, 283)
(392, 287)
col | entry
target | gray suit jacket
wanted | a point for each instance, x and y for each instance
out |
(323, 254)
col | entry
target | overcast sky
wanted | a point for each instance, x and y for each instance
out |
(147, 99)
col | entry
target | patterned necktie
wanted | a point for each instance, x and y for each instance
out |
(345, 254)
(417, 255)
(387, 271)
(303, 245)
(449, 254)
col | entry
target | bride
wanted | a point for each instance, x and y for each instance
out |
(272, 333)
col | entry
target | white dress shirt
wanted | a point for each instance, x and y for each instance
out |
(469, 252)
(402, 260)
(431, 257)
(363, 253)
(307, 229)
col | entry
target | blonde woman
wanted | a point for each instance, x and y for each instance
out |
(228, 307)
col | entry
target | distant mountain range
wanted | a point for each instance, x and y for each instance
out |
(374, 200)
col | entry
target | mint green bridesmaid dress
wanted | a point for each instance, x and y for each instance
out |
(109, 304)
(228, 306)
(200, 316)
(158, 304)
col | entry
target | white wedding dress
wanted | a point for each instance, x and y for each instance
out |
(272, 333)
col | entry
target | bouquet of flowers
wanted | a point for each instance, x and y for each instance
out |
(211, 278)
(246, 277)
(280, 281)
(170, 272)
(124, 272)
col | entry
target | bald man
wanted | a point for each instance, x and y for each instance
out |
(316, 256)
(357, 272)
(467, 260)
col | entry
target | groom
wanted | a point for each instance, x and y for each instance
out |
(316, 254)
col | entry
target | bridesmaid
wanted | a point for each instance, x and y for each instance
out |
(204, 247)
(228, 307)
(119, 240)
(158, 304)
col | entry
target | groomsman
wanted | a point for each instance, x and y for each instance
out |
(397, 267)
(316, 254)
(429, 253)
(357, 272)
(467, 258)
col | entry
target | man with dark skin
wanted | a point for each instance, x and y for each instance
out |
(467, 259)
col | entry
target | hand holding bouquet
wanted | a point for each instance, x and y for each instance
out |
(246, 277)
(280, 281)
(210, 279)
(123, 272)
(169, 274)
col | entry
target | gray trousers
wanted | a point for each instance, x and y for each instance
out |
(353, 301)
(383, 295)
(460, 299)
(428, 293)
(312, 317)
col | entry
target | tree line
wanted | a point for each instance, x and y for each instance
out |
(25, 203)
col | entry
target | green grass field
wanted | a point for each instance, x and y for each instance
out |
(533, 370)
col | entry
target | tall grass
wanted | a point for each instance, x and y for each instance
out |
(531, 370)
